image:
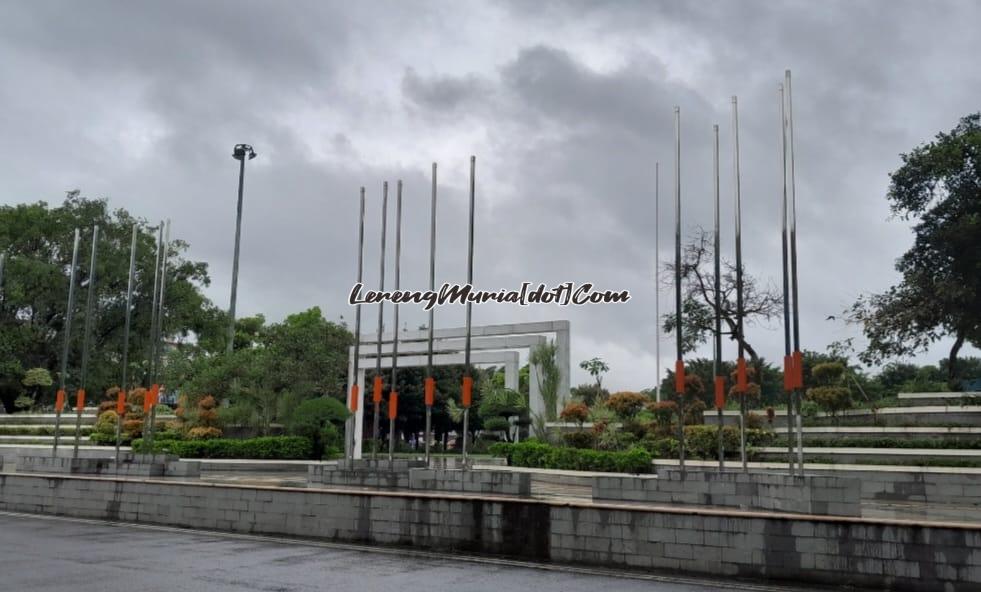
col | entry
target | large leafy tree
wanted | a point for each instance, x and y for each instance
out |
(37, 239)
(938, 187)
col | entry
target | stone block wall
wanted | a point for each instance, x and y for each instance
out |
(880, 554)
(838, 496)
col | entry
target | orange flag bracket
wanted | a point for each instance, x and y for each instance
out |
(430, 391)
(121, 403)
(467, 394)
(60, 401)
(679, 377)
(798, 369)
(80, 400)
(376, 396)
(741, 381)
(353, 403)
(393, 404)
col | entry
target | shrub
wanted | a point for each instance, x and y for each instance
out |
(272, 447)
(532, 453)
(580, 439)
(575, 412)
(626, 404)
(661, 447)
(203, 433)
(831, 399)
(754, 421)
(695, 412)
(703, 441)
(663, 411)
(614, 439)
(314, 418)
(828, 373)
(23, 403)
(590, 394)
(809, 408)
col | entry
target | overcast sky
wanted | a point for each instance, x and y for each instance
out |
(566, 105)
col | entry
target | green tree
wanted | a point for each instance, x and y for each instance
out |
(37, 239)
(498, 406)
(938, 187)
(596, 368)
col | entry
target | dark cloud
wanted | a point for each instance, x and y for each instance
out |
(567, 105)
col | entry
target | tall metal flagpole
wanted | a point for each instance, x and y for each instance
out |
(158, 341)
(86, 339)
(467, 393)
(62, 394)
(393, 395)
(430, 391)
(657, 277)
(151, 375)
(379, 385)
(679, 366)
(355, 398)
(788, 366)
(719, 381)
(797, 356)
(126, 328)
(741, 381)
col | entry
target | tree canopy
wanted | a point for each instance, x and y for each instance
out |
(938, 187)
(37, 239)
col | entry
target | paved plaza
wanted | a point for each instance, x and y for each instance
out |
(61, 555)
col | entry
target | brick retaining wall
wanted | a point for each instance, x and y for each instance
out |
(819, 549)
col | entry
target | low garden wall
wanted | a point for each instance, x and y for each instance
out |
(837, 496)
(130, 465)
(414, 475)
(881, 554)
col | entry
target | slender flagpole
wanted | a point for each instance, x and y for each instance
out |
(797, 356)
(379, 386)
(158, 340)
(355, 398)
(151, 375)
(788, 375)
(679, 367)
(66, 348)
(719, 381)
(467, 393)
(657, 282)
(741, 380)
(393, 395)
(86, 338)
(430, 391)
(126, 329)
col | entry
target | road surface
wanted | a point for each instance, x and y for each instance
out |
(47, 554)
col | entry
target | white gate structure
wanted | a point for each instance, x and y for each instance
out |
(491, 344)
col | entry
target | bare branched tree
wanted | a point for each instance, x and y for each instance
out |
(760, 305)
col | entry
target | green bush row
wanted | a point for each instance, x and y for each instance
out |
(540, 455)
(271, 447)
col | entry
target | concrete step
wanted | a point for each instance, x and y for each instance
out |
(88, 417)
(41, 439)
(922, 415)
(35, 429)
(937, 398)
(878, 455)
(966, 433)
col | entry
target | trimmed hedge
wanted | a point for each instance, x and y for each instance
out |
(545, 456)
(271, 447)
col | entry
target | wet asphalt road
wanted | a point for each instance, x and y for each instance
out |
(55, 555)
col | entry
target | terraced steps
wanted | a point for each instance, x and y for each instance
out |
(88, 417)
(872, 455)
(937, 398)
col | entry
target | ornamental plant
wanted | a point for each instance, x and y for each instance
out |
(575, 412)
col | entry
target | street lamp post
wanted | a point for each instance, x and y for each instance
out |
(240, 153)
